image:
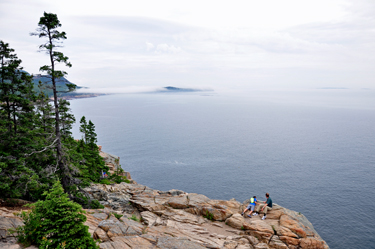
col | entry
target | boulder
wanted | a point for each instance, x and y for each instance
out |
(236, 221)
(311, 243)
(289, 240)
(179, 202)
(151, 219)
(100, 234)
(7, 223)
(258, 225)
(276, 243)
(125, 227)
(283, 231)
(293, 225)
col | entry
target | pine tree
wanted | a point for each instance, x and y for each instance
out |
(91, 136)
(94, 164)
(56, 222)
(48, 28)
(67, 119)
(83, 129)
(17, 125)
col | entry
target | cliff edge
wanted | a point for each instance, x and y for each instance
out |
(176, 219)
(136, 216)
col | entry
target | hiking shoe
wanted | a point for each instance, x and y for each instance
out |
(255, 214)
(249, 215)
(264, 217)
(242, 214)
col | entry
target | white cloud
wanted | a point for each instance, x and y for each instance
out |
(149, 46)
(165, 48)
(242, 43)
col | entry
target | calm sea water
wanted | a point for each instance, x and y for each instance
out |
(312, 150)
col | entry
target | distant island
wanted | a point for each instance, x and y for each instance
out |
(61, 84)
(46, 88)
(178, 89)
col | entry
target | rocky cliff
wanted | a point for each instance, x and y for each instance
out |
(136, 216)
(175, 219)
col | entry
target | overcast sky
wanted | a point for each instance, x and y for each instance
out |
(210, 44)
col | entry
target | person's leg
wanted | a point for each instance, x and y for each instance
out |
(244, 211)
(257, 208)
(248, 207)
(266, 208)
(251, 210)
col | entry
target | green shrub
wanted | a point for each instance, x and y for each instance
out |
(209, 215)
(56, 222)
(105, 181)
(118, 216)
(96, 205)
(134, 218)
(118, 178)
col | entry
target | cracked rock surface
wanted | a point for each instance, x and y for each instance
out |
(176, 219)
(136, 216)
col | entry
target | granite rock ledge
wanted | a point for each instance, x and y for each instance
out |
(176, 219)
(136, 216)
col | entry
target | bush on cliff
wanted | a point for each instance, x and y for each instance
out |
(56, 222)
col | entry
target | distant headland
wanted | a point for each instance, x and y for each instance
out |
(178, 89)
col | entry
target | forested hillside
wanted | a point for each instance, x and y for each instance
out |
(36, 144)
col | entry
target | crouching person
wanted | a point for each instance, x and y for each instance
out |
(251, 206)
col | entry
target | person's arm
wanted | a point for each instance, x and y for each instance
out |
(265, 205)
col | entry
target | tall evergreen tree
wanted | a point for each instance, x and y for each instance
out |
(48, 28)
(17, 125)
(83, 129)
(91, 136)
(94, 164)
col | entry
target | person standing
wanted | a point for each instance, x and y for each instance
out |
(265, 207)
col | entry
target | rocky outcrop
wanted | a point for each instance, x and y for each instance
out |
(8, 222)
(113, 163)
(136, 216)
(176, 219)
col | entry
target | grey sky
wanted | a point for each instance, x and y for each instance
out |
(236, 45)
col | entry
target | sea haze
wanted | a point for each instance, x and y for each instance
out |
(312, 150)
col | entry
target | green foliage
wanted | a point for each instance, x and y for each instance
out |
(134, 218)
(94, 163)
(96, 205)
(117, 177)
(17, 129)
(36, 144)
(56, 222)
(48, 29)
(209, 215)
(118, 216)
(242, 228)
(105, 181)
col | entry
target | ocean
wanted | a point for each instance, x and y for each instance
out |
(312, 150)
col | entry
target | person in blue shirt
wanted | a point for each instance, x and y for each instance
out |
(251, 206)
